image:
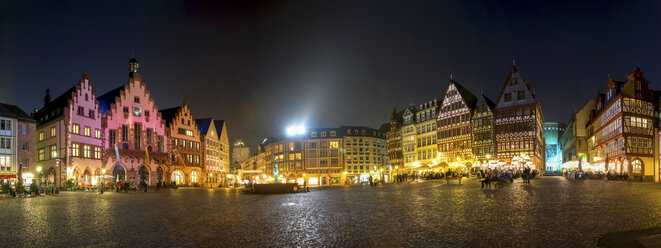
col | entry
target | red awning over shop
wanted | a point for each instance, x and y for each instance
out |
(7, 176)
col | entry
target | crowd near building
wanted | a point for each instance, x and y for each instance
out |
(615, 134)
(87, 139)
(469, 131)
(323, 156)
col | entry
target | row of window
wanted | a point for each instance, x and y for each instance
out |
(77, 150)
(6, 163)
(458, 119)
(429, 140)
(427, 153)
(185, 143)
(429, 114)
(520, 95)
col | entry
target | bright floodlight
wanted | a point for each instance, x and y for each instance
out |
(295, 130)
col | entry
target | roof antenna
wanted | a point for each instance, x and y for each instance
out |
(451, 78)
(514, 62)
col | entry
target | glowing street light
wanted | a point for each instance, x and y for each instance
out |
(295, 130)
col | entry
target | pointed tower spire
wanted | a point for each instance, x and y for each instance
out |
(47, 97)
(133, 66)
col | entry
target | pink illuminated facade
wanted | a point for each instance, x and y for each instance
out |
(132, 123)
(70, 137)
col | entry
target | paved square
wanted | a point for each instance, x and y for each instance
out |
(551, 212)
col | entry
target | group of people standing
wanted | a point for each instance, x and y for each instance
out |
(505, 176)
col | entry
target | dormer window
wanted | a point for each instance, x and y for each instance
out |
(136, 99)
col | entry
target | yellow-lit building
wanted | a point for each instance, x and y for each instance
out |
(425, 135)
(454, 122)
(325, 156)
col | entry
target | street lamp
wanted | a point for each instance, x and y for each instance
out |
(103, 185)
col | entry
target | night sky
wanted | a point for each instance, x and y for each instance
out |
(264, 65)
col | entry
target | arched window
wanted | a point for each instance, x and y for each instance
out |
(178, 177)
(637, 166)
(194, 177)
(88, 178)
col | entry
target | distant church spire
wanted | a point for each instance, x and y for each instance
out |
(47, 99)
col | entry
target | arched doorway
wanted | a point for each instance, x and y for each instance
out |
(118, 174)
(76, 176)
(87, 178)
(178, 177)
(637, 166)
(98, 177)
(291, 178)
(159, 174)
(143, 175)
(50, 176)
(194, 177)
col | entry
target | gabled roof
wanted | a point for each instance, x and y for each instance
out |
(484, 100)
(219, 126)
(107, 99)
(54, 109)
(468, 97)
(203, 125)
(12, 111)
(168, 114)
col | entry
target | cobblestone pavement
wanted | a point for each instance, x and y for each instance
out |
(551, 212)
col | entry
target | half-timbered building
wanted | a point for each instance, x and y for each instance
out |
(454, 130)
(518, 123)
(394, 141)
(622, 128)
(483, 139)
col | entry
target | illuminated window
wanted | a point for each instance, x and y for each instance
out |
(42, 153)
(53, 151)
(88, 131)
(194, 177)
(178, 177)
(52, 132)
(97, 152)
(334, 144)
(75, 150)
(298, 155)
(508, 97)
(76, 129)
(637, 166)
(41, 136)
(86, 151)
(97, 133)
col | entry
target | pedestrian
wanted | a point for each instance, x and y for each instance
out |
(158, 186)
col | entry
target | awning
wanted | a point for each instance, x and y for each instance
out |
(422, 167)
(7, 176)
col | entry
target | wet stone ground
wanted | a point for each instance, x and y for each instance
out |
(551, 212)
